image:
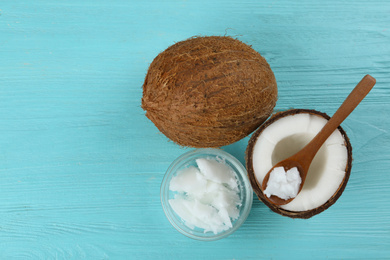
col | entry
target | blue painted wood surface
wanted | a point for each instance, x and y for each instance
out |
(81, 166)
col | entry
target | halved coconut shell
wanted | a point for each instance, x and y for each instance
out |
(257, 186)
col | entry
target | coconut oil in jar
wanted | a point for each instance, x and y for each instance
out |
(207, 195)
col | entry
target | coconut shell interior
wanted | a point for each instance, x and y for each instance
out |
(209, 91)
(257, 186)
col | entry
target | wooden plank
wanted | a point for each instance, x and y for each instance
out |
(81, 166)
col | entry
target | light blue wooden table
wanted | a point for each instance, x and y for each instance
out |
(81, 166)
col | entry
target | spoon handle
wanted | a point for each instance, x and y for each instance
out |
(350, 103)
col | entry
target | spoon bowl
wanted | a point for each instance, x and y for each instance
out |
(286, 164)
(304, 157)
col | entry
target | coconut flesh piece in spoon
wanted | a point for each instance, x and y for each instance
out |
(288, 135)
(284, 184)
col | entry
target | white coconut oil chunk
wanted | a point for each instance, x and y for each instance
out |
(284, 184)
(207, 196)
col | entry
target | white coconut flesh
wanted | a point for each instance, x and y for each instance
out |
(287, 136)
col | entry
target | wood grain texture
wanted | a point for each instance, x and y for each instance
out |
(81, 166)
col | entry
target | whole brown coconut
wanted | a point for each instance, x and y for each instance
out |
(209, 91)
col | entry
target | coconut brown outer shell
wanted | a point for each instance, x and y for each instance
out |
(209, 91)
(257, 187)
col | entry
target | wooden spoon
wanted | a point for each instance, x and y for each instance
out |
(304, 157)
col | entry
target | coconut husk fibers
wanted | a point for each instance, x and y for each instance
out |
(257, 186)
(209, 91)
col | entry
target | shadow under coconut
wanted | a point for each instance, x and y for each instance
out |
(237, 149)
